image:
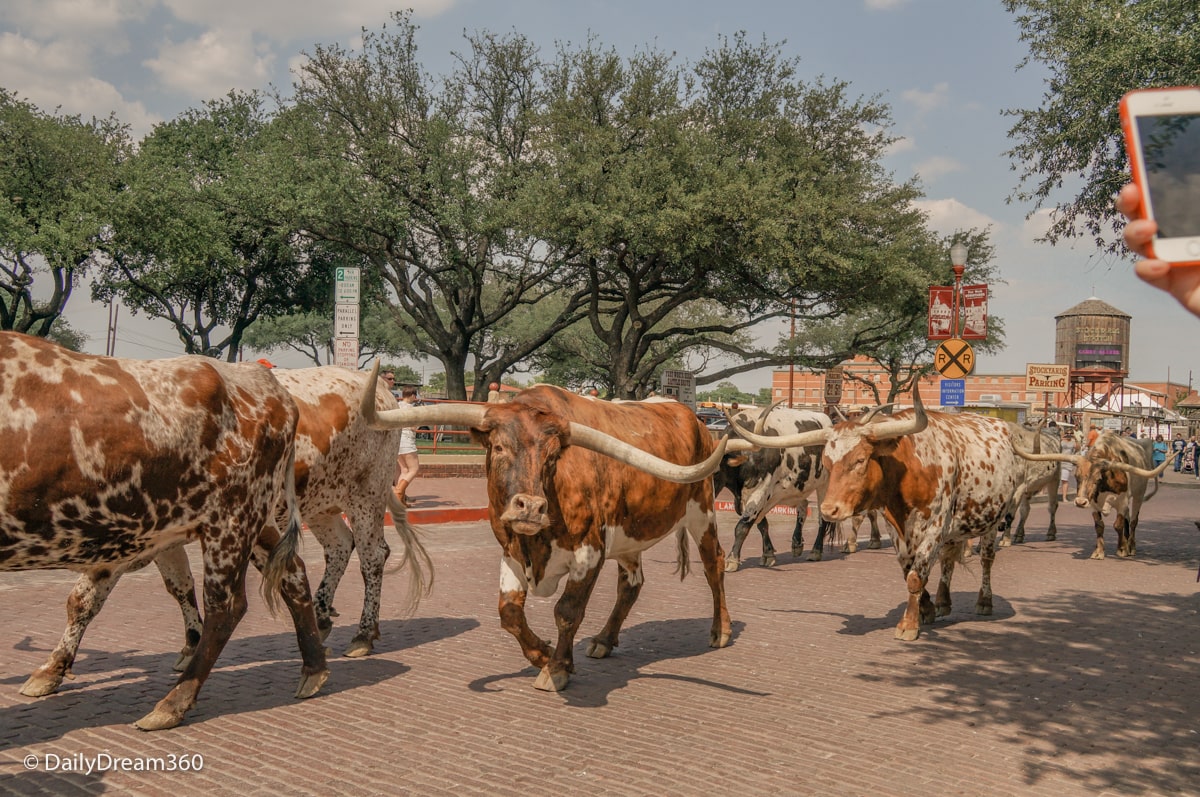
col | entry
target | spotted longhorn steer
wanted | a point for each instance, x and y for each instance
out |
(940, 479)
(1114, 473)
(764, 478)
(341, 466)
(1039, 476)
(573, 481)
(105, 462)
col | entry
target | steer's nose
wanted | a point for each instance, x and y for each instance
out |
(526, 514)
(834, 512)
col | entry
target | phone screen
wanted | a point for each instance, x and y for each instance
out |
(1171, 154)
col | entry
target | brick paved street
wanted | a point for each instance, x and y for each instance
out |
(1085, 681)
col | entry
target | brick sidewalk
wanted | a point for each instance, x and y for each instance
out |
(1084, 682)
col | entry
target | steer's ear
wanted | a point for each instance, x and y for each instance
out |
(735, 460)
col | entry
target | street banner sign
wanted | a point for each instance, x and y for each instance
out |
(972, 312)
(1047, 378)
(954, 392)
(954, 358)
(941, 312)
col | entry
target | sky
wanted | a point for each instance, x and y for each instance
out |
(948, 69)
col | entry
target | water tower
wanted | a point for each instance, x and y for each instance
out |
(1093, 339)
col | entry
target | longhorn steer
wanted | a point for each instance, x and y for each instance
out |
(1115, 473)
(341, 466)
(569, 486)
(765, 478)
(940, 479)
(1038, 476)
(105, 462)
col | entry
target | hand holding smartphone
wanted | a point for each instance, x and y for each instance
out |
(1162, 138)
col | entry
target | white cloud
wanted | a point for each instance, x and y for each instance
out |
(925, 101)
(901, 144)
(58, 76)
(211, 64)
(938, 165)
(287, 20)
(947, 215)
(93, 21)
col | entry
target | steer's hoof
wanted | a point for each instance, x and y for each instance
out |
(797, 551)
(768, 560)
(814, 555)
(1051, 536)
(907, 634)
(41, 684)
(1003, 543)
(551, 681)
(358, 648)
(181, 663)
(599, 650)
(1097, 555)
(874, 545)
(311, 683)
(732, 565)
(718, 639)
(158, 720)
(984, 609)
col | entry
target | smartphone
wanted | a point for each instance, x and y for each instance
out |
(1162, 137)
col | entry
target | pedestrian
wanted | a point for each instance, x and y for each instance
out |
(1189, 456)
(1068, 468)
(1160, 451)
(1177, 447)
(389, 379)
(407, 462)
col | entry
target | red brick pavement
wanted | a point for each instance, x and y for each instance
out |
(1083, 682)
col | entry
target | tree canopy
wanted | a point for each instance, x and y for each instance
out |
(58, 177)
(1095, 51)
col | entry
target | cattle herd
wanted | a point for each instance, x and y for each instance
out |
(107, 465)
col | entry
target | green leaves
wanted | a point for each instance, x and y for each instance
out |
(1095, 51)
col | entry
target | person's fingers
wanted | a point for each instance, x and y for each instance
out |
(1139, 234)
(1129, 200)
(1154, 272)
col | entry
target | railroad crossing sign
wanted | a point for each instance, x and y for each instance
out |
(954, 358)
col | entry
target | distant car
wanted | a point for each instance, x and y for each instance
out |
(714, 419)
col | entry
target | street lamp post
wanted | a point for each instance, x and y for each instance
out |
(958, 259)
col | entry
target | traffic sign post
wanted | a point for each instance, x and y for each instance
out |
(954, 358)
(347, 281)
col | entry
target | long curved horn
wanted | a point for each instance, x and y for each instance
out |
(760, 422)
(871, 413)
(884, 430)
(433, 415)
(816, 437)
(1125, 466)
(1050, 457)
(601, 443)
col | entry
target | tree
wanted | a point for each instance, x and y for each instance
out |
(426, 182)
(57, 176)
(1095, 50)
(735, 183)
(198, 237)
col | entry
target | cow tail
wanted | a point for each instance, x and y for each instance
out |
(415, 558)
(280, 558)
(683, 561)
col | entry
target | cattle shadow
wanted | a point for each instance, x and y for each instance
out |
(254, 673)
(60, 784)
(1099, 689)
(643, 645)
